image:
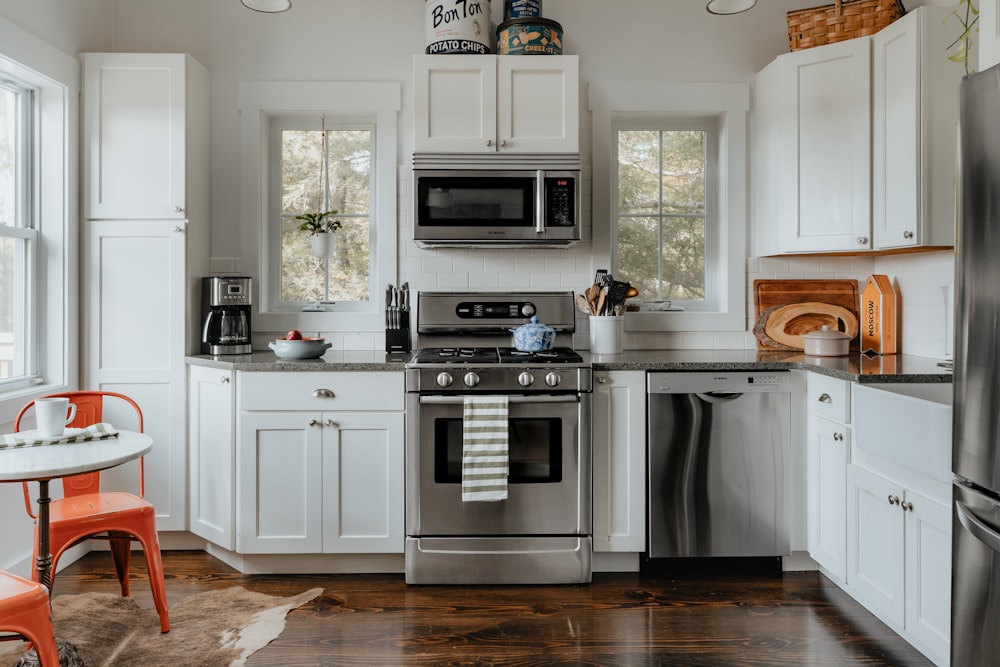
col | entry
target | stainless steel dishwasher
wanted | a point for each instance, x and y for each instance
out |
(718, 446)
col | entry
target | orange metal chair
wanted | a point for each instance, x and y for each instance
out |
(24, 609)
(85, 512)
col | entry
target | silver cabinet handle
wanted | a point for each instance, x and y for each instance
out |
(907, 506)
(489, 142)
(907, 234)
(862, 240)
(178, 230)
(839, 437)
(323, 393)
(225, 379)
(893, 500)
(825, 398)
(601, 379)
(329, 423)
(503, 143)
(314, 422)
(178, 209)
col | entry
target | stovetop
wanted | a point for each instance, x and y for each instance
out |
(494, 355)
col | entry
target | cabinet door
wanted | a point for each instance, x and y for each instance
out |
(538, 104)
(875, 547)
(212, 454)
(989, 34)
(826, 178)
(455, 107)
(279, 460)
(928, 574)
(620, 461)
(826, 494)
(134, 343)
(363, 483)
(134, 135)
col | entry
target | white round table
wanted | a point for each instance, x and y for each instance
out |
(47, 462)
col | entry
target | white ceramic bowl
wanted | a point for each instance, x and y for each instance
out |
(299, 349)
(826, 342)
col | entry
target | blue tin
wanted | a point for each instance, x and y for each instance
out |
(521, 9)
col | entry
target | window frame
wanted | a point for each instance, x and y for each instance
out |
(713, 223)
(260, 102)
(53, 207)
(725, 104)
(311, 122)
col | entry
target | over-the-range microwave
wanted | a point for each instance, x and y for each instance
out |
(496, 201)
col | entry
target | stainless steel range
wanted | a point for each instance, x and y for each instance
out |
(541, 531)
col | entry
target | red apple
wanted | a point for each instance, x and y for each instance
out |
(294, 334)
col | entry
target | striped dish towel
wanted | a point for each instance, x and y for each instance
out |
(100, 431)
(484, 448)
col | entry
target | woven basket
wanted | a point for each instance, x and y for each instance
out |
(845, 19)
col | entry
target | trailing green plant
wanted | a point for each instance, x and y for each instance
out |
(968, 16)
(317, 223)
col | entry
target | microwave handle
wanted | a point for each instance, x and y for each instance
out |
(540, 201)
(544, 398)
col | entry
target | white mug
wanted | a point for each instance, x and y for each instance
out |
(50, 415)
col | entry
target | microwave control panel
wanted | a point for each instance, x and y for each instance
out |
(560, 200)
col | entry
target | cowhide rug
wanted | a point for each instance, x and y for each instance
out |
(213, 628)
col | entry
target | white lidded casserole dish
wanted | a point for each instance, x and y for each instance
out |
(826, 342)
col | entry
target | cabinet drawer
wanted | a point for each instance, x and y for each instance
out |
(829, 397)
(360, 391)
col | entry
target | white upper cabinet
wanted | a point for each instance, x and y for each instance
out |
(488, 104)
(914, 132)
(856, 142)
(814, 155)
(989, 34)
(135, 112)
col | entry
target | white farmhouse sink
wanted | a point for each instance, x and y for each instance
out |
(908, 424)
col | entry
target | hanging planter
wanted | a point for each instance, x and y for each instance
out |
(324, 244)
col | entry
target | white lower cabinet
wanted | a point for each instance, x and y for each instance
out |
(826, 495)
(620, 461)
(899, 559)
(320, 480)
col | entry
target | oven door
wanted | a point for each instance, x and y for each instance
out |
(549, 473)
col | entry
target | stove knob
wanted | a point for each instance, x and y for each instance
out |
(525, 379)
(528, 309)
(444, 379)
(471, 379)
(553, 379)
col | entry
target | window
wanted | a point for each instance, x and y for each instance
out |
(666, 221)
(282, 127)
(18, 237)
(673, 217)
(321, 169)
(39, 116)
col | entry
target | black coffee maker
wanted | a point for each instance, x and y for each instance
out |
(225, 315)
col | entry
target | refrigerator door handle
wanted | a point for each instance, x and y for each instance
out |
(974, 525)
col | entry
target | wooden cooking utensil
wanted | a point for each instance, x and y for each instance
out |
(583, 304)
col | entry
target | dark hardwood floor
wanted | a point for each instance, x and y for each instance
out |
(621, 619)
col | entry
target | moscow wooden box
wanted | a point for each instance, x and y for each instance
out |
(878, 316)
(844, 19)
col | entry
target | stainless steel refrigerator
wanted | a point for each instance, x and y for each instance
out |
(975, 617)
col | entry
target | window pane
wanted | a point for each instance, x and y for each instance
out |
(661, 212)
(345, 277)
(12, 308)
(8, 156)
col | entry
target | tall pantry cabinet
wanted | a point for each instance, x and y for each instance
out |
(145, 247)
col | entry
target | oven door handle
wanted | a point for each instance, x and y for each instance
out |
(458, 400)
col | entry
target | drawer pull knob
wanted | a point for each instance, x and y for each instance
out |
(601, 379)
(825, 398)
(893, 500)
(907, 506)
(331, 424)
(839, 437)
(314, 422)
(907, 234)
(323, 393)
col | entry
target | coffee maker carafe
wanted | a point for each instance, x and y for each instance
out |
(225, 309)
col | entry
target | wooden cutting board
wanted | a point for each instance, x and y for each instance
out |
(786, 309)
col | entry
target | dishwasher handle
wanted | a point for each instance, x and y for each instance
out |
(718, 397)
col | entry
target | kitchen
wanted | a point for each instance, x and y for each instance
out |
(237, 46)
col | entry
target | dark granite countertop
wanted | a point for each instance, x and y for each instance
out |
(898, 368)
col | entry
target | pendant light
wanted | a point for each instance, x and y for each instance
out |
(724, 7)
(268, 6)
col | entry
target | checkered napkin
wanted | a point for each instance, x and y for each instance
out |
(485, 455)
(100, 431)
